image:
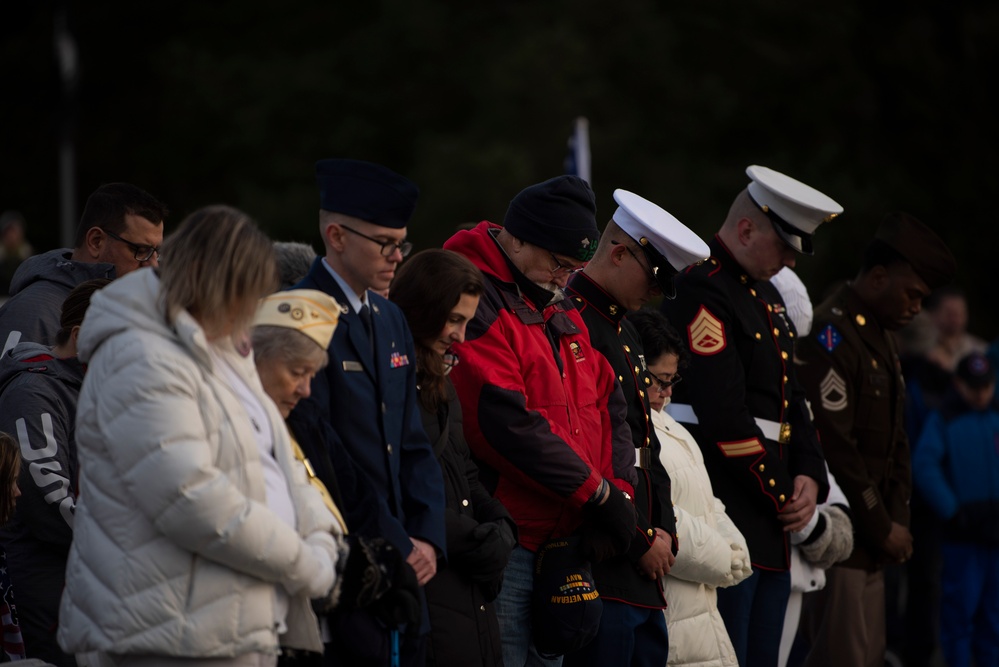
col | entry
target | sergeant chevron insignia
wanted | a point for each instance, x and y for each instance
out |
(833, 391)
(707, 334)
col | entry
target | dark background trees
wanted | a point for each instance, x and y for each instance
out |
(882, 104)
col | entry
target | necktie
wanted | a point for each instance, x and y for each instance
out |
(365, 314)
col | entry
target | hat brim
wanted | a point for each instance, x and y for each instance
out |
(662, 270)
(796, 239)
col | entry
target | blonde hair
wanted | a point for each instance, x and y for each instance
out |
(216, 266)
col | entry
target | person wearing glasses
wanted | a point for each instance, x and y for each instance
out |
(641, 248)
(743, 403)
(543, 413)
(367, 392)
(120, 231)
(714, 553)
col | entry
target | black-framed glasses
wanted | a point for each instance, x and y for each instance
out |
(663, 385)
(142, 253)
(388, 247)
(561, 268)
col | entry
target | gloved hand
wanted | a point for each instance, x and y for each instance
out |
(487, 560)
(835, 541)
(608, 529)
(376, 577)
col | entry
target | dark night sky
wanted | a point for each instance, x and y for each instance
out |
(882, 105)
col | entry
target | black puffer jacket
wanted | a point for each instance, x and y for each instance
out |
(464, 631)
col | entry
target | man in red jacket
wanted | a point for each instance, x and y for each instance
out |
(542, 410)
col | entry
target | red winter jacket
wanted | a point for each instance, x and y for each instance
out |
(541, 406)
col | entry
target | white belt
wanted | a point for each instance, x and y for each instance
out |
(684, 413)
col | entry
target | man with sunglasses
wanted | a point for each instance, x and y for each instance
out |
(640, 251)
(367, 392)
(542, 410)
(741, 400)
(120, 231)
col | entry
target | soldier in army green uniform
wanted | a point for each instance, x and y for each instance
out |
(641, 249)
(850, 369)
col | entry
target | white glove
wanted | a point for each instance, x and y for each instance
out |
(315, 568)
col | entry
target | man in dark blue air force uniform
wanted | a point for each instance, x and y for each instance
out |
(367, 392)
(742, 402)
(640, 250)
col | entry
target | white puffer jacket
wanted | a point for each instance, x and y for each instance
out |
(712, 553)
(175, 551)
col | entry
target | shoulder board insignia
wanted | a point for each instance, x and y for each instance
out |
(833, 391)
(706, 333)
(741, 448)
(830, 337)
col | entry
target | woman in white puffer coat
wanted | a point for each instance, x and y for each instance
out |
(197, 535)
(712, 552)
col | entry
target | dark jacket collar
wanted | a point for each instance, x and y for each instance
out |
(594, 295)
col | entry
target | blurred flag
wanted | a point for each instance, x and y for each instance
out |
(577, 157)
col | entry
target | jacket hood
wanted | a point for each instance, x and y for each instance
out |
(133, 303)
(56, 266)
(36, 358)
(479, 245)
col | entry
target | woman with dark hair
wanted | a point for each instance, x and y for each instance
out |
(198, 538)
(438, 290)
(713, 552)
(39, 390)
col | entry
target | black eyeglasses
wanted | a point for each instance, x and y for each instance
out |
(663, 385)
(142, 253)
(388, 247)
(653, 282)
(561, 268)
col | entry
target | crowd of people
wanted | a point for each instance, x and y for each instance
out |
(217, 449)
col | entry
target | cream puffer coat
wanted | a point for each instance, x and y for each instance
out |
(712, 553)
(175, 551)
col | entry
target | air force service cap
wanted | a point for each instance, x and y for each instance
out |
(795, 209)
(367, 191)
(667, 243)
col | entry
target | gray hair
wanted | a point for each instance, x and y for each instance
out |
(286, 345)
(294, 260)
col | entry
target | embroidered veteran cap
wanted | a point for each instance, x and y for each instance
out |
(920, 246)
(795, 209)
(367, 191)
(310, 311)
(566, 605)
(558, 215)
(667, 243)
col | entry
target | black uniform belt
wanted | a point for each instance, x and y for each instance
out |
(778, 431)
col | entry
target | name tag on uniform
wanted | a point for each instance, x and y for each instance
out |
(349, 366)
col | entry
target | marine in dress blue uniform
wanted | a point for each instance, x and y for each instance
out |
(741, 400)
(640, 251)
(367, 392)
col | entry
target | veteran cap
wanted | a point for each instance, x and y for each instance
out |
(367, 191)
(919, 246)
(976, 371)
(795, 209)
(558, 215)
(310, 311)
(566, 606)
(667, 243)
